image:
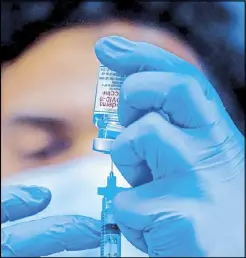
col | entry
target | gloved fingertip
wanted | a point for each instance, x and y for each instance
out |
(115, 43)
(67, 228)
(39, 192)
(113, 52)
(39, 198)
(20, 201)
(101, 48)
(44, 190)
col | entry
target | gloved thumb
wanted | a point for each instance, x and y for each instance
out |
(153, 220)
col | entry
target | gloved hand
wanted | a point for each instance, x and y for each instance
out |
(43, 236)
(183, 156)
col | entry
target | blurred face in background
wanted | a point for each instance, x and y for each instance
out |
(48, 94)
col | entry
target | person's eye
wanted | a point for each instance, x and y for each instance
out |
(37, 138)
(54, 148)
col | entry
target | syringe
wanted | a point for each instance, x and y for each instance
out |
(110, 233)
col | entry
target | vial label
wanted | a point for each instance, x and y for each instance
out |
(108, 91)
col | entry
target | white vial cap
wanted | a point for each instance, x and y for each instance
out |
(102, 145)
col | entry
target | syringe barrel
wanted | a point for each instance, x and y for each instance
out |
(105, 115)
(110, 233)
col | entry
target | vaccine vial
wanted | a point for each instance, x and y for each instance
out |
(105, 115)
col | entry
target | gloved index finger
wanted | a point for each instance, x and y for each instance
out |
(21, 201)
(127, 57)
(50, 235)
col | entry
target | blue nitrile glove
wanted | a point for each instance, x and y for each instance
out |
(180, 151)
(43, 236)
